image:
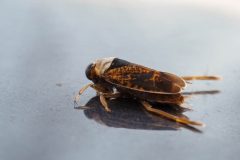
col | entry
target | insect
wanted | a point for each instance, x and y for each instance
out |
(116, 78)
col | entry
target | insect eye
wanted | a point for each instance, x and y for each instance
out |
(88, 71)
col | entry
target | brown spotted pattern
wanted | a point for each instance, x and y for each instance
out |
(136, 77)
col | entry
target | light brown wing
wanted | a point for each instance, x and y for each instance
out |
(174, 78)
(143, 79)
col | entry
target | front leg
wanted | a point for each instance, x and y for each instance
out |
(102, 89)
(96, 87)
(77, 97)
(112, 95)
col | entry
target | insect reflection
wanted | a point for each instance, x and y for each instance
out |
(129, 114)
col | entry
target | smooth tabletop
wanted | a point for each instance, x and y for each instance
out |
(46, 45)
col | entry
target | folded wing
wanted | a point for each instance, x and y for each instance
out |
(140, 78)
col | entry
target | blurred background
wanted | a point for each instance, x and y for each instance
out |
(46, 45)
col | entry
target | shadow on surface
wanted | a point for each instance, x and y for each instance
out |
(127, 113)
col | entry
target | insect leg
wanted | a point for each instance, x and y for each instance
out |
(149, 108)
(112, 95)
(77, 97)
(99, 88)
(191, 78)
(104, 103)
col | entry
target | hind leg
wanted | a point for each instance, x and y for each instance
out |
(149, 108)
(191, 78)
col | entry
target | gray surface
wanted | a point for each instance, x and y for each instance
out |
(47, 42)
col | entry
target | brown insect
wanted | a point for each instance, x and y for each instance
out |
(114, 78)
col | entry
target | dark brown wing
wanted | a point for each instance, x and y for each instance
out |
(143, 79)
